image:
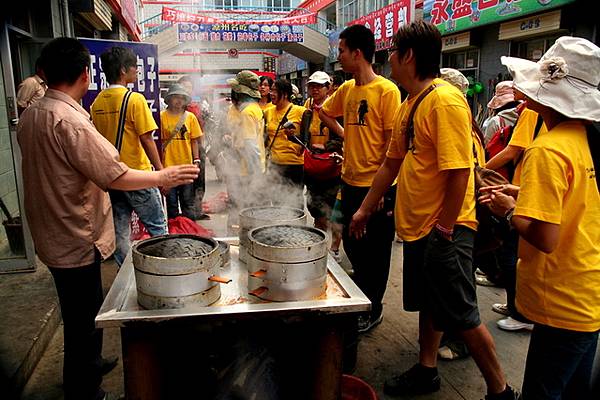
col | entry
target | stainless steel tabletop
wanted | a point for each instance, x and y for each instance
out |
(120, 307)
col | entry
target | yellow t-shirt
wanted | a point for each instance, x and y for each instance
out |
(266, 106)
(283, 150)
(319, 133)
(138, 121)
(179, 149)
(443, 141)
(561, 289)
(522, 136)
(479, 149)
(251, 126)
(368, 112)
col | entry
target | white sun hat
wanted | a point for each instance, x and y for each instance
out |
(319, 77)
(565, 79)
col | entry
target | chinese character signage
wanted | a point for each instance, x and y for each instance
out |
(457, 15)
(240, 33)
(147, 65)
(385, 22)
(269, 64)
(173, 15)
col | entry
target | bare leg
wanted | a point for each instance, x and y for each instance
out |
(482, 348)
(429, 341)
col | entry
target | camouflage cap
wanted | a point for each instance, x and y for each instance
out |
(246, 82)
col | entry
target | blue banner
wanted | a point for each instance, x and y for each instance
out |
(147, 64)
(240, 33)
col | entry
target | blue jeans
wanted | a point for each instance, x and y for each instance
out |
(184, 195)
(147, 205)
(559, 364)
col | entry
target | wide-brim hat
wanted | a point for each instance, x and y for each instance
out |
(503, 95)
(456, 78)
(177, 89)
(565, 79)
(245, 82)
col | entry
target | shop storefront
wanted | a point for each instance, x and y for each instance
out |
(476, 34)
(294, 70)
(384, 23)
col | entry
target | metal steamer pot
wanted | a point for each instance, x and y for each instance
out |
(254, 217)
(287, 271)
(177, 281)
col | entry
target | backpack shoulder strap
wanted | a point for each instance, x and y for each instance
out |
(176, 130)
(122, 118)
(410, 126)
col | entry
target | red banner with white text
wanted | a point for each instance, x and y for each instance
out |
(384, 23)
(173, 15)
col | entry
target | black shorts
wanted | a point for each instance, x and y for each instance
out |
(321, 196)
(439, 279)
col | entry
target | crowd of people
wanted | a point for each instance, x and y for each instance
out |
(411, 167)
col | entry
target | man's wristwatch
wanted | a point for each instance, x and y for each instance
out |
(445, 232)
(509, 215)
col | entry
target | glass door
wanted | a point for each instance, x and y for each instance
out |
(16, 247)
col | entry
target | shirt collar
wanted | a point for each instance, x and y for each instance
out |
(116, 85)
(62, 96)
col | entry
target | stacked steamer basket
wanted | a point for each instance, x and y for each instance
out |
(174, 271)
(254, 217)
(287, 262)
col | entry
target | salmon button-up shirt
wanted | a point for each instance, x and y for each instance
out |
(67, 168)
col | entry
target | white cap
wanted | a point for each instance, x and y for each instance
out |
(319, 77)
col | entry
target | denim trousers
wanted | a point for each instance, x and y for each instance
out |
(370, 255)
(79, 292)
(184, 196)
(147, 205)
(559, 364)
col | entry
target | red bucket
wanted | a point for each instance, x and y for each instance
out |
(354, 388)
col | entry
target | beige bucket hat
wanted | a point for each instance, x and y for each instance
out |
(565, 79)
(246, 82)
(456, 78)
(503, 95)
(177, 89)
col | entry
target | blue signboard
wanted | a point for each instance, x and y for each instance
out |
(240, 33)
(147, 82)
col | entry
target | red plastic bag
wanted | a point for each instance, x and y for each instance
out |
(181, 224)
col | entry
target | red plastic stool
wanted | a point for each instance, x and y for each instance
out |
(354, 388)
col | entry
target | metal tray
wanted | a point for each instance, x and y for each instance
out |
(120, 307)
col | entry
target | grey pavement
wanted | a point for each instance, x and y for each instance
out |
(390, 348)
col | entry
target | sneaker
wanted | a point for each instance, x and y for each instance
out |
(508, 394)
(511, 324)
(453, 350)
(417, 380)
(365, 324)
(336, 255)
(501, 309)
(483, 280)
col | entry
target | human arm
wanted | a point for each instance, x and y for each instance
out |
(134, 179)
(149, 146)
(506, 155)
(331, 123)
(381, 183)
(196, 148)
(542, 235)
(457, 181)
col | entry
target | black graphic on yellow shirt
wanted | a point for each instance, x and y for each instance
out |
(361, 112)
(181, 134)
